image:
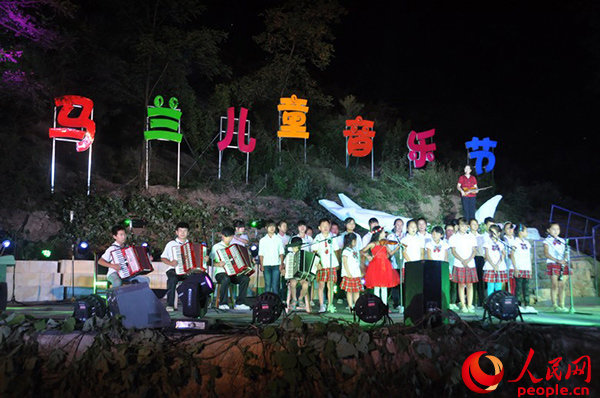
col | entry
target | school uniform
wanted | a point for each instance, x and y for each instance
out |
(496, 253)
(522, 267)
(237, 240)
(271, 248)
(112, 275)
(438, 251)
(325, 247)
(426, 237)
(224, 280)
(557, 249)
(479, 287)
(351, 282)
(510, 242)
(285, 239)
(172, 277)
(463, 244)
(413, 246)
(306, 242)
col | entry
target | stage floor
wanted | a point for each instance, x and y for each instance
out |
(586, 315)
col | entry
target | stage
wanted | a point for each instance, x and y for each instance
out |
(586, 315)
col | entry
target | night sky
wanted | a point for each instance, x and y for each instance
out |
(525, 75)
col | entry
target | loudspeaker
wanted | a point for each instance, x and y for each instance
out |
(502, 305)
(427, 288)
(194, 293)
(87, 307)
(3, 296)
(139, 306)
(369, 308)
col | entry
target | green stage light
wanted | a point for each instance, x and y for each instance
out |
(255, 223)
(46, 253)
(127, 222)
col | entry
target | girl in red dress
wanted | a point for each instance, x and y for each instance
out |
(380, 275)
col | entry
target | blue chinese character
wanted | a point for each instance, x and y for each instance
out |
(484, 153)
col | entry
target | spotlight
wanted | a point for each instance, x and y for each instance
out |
(134, 223)
(502, 305)
(82, 250)
(127, 222)
(145, 244)
(267, 309)
(46, 253)
(6, 243)
(254, 250)
(83, 245)
(256, 224)
(369, 308)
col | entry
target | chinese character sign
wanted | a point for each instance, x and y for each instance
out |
(241, 134)
(80, 127)
(293, 118)
(163, 123)
(420, 151)
(360, 135)
(480, 150)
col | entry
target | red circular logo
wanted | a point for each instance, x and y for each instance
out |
(472, 373)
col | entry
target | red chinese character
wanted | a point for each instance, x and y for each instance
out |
(420, 151)
(360, 136)
(525, 368)
(242, 146)
(586, 365)
(85, 127)
(552, 370)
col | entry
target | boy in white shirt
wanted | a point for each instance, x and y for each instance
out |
(306, 240)
(437, 248)
(326, 247)
(223, 279)
(373, 222)
(282, 228)
(240, 237)
(479, 260)
(106, 260)
(270, 254)
(397, 260)
(464, 248)
(521, 260)
(167, 257)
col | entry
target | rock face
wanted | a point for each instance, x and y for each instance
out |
(39, 225)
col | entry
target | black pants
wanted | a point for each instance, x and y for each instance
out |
(224, 280)
(396, 292)
(453, 292)
(468, 205)
(522, 290)
(172, 279)
(480, 286)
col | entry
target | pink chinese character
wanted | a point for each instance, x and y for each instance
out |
(420, 151)
(247, 148)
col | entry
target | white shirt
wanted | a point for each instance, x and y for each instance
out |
(495, 251)
(556, 248)
(414, 244)
(510, 240)
(340, 240)
(306, 242)
(426, 237)
(463, 244)
(236, 240)
(326, 250)
(522, 254)
(285, 239)
(214, 256)
(437, 251)
(168, 251)
(107, 256)
(481, 241)
(353, 262)
(366, 239)
(398, 255)
(271, 248)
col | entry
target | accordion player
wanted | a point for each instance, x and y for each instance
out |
(237, 260)
(301, 265)
(133, 261)
(190, 256)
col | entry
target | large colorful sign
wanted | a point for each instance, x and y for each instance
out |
(163, 124)
(73, 122)
(293, 112)
(359, 134)
(421, 151)
(243, 134)
(480, 151)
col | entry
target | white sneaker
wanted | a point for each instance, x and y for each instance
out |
(522, 309)
(223, 307)
(531, 309)
(400, 309)
(323, 308)
(453, 307)
(471, 310)
(169, 308)
(242, 307)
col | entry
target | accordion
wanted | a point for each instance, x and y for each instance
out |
(237, 260)
(190, 256)
(301, 265)
(133, 261)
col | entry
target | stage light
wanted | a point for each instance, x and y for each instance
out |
(502, 305)
(256, 224)
(46, 253)
(145, 244)
(127, 222)
(267, 309)
(82, 250)
(369, 308)
(254, 250)
(6, 243)
(83, 245)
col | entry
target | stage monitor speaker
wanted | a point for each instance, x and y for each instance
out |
(139, 306)
(194, 293)
(3, 296)
(427, 288)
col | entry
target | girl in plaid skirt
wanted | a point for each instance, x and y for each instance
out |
(521, 259)
(464, 248)
(351, 274)
(494, 270)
